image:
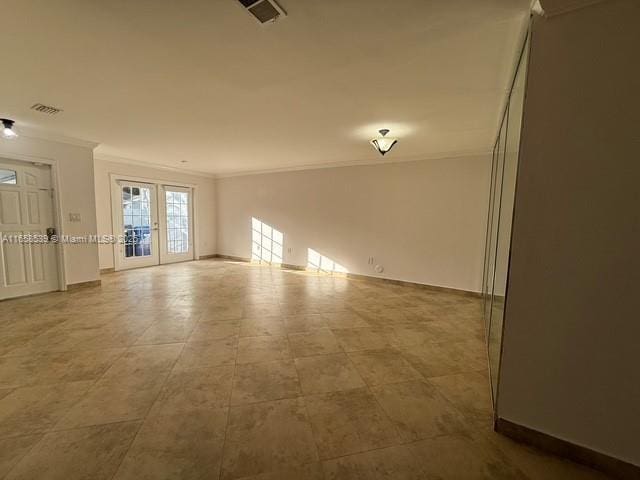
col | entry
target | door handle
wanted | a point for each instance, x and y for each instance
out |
(51, 232)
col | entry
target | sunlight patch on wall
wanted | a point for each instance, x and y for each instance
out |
(266, 243)
(319, 263)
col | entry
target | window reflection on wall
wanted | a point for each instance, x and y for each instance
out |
(319, 263)
(266, 242)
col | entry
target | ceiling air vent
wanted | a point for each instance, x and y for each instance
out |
(265, 11)
(38, 107)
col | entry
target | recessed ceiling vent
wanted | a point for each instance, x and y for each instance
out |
(265, 11)
(38, 107)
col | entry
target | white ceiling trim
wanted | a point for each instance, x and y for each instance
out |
(552, 8)
(381, 161)
(157, 166)
(38, 134)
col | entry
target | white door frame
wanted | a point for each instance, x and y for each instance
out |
(115, 206)
(57, 206)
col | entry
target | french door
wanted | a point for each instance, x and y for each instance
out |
(139, 225)
(177, 225)
(154, 222)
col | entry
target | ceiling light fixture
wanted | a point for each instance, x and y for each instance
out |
(7, 129)
(383, 143)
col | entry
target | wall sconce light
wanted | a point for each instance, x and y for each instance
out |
(7, 129)
(383, 143)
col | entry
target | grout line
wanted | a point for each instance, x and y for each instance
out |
(226, 428)
(146, 415)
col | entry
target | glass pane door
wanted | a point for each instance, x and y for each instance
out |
(178, 230)
(139, 225)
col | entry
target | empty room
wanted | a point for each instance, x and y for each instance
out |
(319, 240)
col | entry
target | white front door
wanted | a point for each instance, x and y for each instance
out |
(176, 224)
(28, 263)
(137, 219)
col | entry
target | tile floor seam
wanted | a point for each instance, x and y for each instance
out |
(84, 395)
(306, 409)
(226, 428)
(15, 465)
(126, 451)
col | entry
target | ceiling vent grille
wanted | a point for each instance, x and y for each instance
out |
(264, 11)
(39, 107)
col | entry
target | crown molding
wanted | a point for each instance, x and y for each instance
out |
(551, 8)
(357, 163)
(38, 134)
(140, 163)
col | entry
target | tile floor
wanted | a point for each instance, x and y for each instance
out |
(219, 370)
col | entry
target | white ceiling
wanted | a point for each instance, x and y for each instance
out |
(199, 80)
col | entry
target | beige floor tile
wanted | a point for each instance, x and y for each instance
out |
(5, 391)
(196, 389)
(355, 339)
(114, 400)
(42, 369)
(311, 471)
(304, 323)
(345, 319)
(265, 437)
(13, 449)
(378, 367)
(208, 354)
(214, 330)
(315, 342)
(181, 447)
(256, 327)
(167, 331)
(263, 349)
(327, 373)
(144, 360)
(441, 331)
(259, 382)
(261, 310)
(220, 311)
(410, 333)
(349, 422)
(393, 463)
(456, 457)
(37, 409)
(418, 410)
(470, 393)
(88, 453)
(437, 359)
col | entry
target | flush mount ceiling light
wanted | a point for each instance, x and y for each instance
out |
(383, 143)
(7, 129)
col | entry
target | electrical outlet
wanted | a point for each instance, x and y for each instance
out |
(289, 250)
(74, 217)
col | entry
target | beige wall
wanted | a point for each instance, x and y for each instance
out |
(204, 201)
(423, 221)
(75, 179)
(571, 343)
